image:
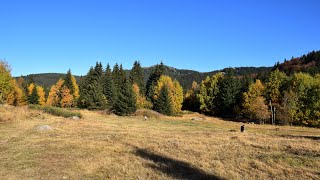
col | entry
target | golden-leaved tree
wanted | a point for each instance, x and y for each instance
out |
(66, 98)
(141, 100)
(175, 92)
(54, 96)
(254, 103)
(42, 95)
(16, 96)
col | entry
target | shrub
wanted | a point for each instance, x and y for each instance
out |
(56, 111)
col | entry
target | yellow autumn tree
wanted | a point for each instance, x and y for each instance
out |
(177, 97)
(175, 92)
(141, 100)
(16, 96)
(255, 91)
(66, 98)
(54, 96)
(76, 87)
(41, 94)
(30, 88)
(5, 78)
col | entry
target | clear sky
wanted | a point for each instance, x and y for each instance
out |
(39, 36)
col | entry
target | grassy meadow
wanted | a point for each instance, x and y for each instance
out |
(101, 146)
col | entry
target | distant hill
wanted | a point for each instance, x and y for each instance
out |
(309, 63)
(45, 79)
(185, 77)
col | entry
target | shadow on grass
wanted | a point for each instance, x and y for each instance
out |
(174, 168)
(306, 137)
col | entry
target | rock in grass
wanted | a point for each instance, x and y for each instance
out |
(44, 128)
(75, 118)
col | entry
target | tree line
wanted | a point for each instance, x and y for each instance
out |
(279, 99)
(101, 88)
(275, 97)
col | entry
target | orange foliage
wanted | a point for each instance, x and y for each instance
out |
(66, 98)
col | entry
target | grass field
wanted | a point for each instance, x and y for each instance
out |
(103, 146)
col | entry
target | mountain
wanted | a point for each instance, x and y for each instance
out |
(309, 63)
(185, 77)
(45, 80)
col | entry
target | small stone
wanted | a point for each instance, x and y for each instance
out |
(75, 118)
(44, 128)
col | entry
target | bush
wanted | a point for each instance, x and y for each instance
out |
(56, 111)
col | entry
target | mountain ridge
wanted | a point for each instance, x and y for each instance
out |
(184, 76)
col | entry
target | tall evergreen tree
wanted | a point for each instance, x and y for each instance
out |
(116, 77)
(229, 93)
(137, 76)
(68, 82)
(163, 103)
(34, 97)
(126, 102)
(153, 79)
(108, 86)
(91, 90)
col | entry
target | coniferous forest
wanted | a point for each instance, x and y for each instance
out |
(288, 93)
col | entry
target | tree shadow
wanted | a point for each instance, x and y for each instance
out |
(174, 168)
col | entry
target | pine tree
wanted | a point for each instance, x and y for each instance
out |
(229, 94)
(163, 104)
(126, 103)
(122, 75)
(68, 82)
(108, 86)
(33, 97)
(91, 89)
(116, 77)
(137, 76)
(152, 81)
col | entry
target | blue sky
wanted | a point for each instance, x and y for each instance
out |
(203, 35)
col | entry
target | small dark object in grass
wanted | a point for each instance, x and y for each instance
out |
(242, 128)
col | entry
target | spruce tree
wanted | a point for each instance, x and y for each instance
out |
(153, 79)
(125, 103)
(108, 87)
(34, 97)
(137, 77)
(115, 77)
(163, 103)
(229, 94)
(91, 90)
(68, 82)
(122, 75)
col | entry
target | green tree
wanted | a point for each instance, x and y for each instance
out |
(208, 94)
(91, 90)
(163, 104)
(275, 86)
(116, 77)
(229, 94)
(34, 97)
(137, 77)
(68, 82)
(108, 86)
(152, 81)
(125, 103)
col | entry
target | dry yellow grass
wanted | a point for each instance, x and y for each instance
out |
(110, 147)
